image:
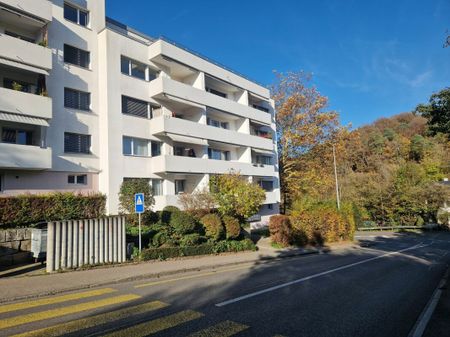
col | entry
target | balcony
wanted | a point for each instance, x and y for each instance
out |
(26, 157)
(23, 103)
(163, 88)
(161, 125)
(39, 9)
(163, 51)
(25, 53)
(177, 164)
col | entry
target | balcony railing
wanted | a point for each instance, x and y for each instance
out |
(261, 108)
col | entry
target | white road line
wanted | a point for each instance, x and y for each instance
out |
(303, 279)
(424, 318)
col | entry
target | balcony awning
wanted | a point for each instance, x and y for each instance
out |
(262, 151)
(23, 119)
(23, 66)
(186, 139)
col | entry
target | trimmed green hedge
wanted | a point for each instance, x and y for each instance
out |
(25, 210)
(163, 253)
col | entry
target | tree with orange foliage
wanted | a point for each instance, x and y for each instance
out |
(306, 130)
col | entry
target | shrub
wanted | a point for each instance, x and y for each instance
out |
(191, 240)
(25, 210)
(198, 203)
(236, 196)
(232, 227)
(160, 238)
(235, 246)
(167, 212)
(127, 191)
(182, 222)
(150, 217)
(203, 249)
(317, 223)
(280, 229)
(213, 226)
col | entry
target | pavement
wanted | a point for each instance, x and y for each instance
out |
(32, 280)
(379, 289)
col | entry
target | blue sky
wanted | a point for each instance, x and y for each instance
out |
(371, 58)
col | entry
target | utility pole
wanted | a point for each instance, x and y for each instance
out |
(336, 180)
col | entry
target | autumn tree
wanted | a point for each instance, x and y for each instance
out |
(236, 196)
(306, 129)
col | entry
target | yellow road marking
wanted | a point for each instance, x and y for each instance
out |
(53, 300)
(157, 325)
(85, 323)
(223, 329)
(189, 277)
(39, 316)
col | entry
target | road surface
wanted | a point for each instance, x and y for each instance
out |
(379, 289)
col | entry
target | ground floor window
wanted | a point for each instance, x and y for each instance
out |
(179, 186)
(77, 179)
(157, 186)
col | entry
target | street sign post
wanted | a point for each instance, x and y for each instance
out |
(139, 208)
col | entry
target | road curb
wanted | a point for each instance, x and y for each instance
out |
(263, 259)
(422, 322)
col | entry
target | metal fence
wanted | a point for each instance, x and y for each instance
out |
(75, 243)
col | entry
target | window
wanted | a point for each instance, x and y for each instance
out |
(136, 107)
(156, 149)
(218, 154)
(77, 143)
(263, 160)
(217, 124)
(216, 92)
(270, 206)
(76, 56)
(77, 99)
(77, 179)
(179, 186)
(135, 146)
(136, 69)
(14, 136)
(157, 186)
(266, 185)
(76, 15)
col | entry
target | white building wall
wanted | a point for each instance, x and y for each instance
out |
(180, 90)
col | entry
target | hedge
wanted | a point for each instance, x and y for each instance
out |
(28, 209)
(203, 249)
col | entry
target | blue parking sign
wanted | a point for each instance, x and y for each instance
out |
(139, 203)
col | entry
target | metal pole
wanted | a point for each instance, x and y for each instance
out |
(140, 239)
(336, 179)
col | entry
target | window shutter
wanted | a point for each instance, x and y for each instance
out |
(134, 107)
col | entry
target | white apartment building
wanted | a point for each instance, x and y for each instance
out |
(86, 102)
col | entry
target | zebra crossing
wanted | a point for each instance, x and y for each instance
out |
(117, 317)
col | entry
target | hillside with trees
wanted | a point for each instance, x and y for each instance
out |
(388, 171)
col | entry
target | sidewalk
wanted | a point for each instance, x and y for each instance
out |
(14, 288)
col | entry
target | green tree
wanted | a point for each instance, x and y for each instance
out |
(127, 191)
(437, 112)
(417, 148)
(236, 196)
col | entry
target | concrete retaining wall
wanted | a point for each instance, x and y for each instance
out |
(15, 246)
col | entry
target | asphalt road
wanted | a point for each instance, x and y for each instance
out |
(379, 289)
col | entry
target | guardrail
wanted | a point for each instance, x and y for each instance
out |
(75, 243)
(390, 228)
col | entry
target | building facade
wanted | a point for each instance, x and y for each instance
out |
(87, 102)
